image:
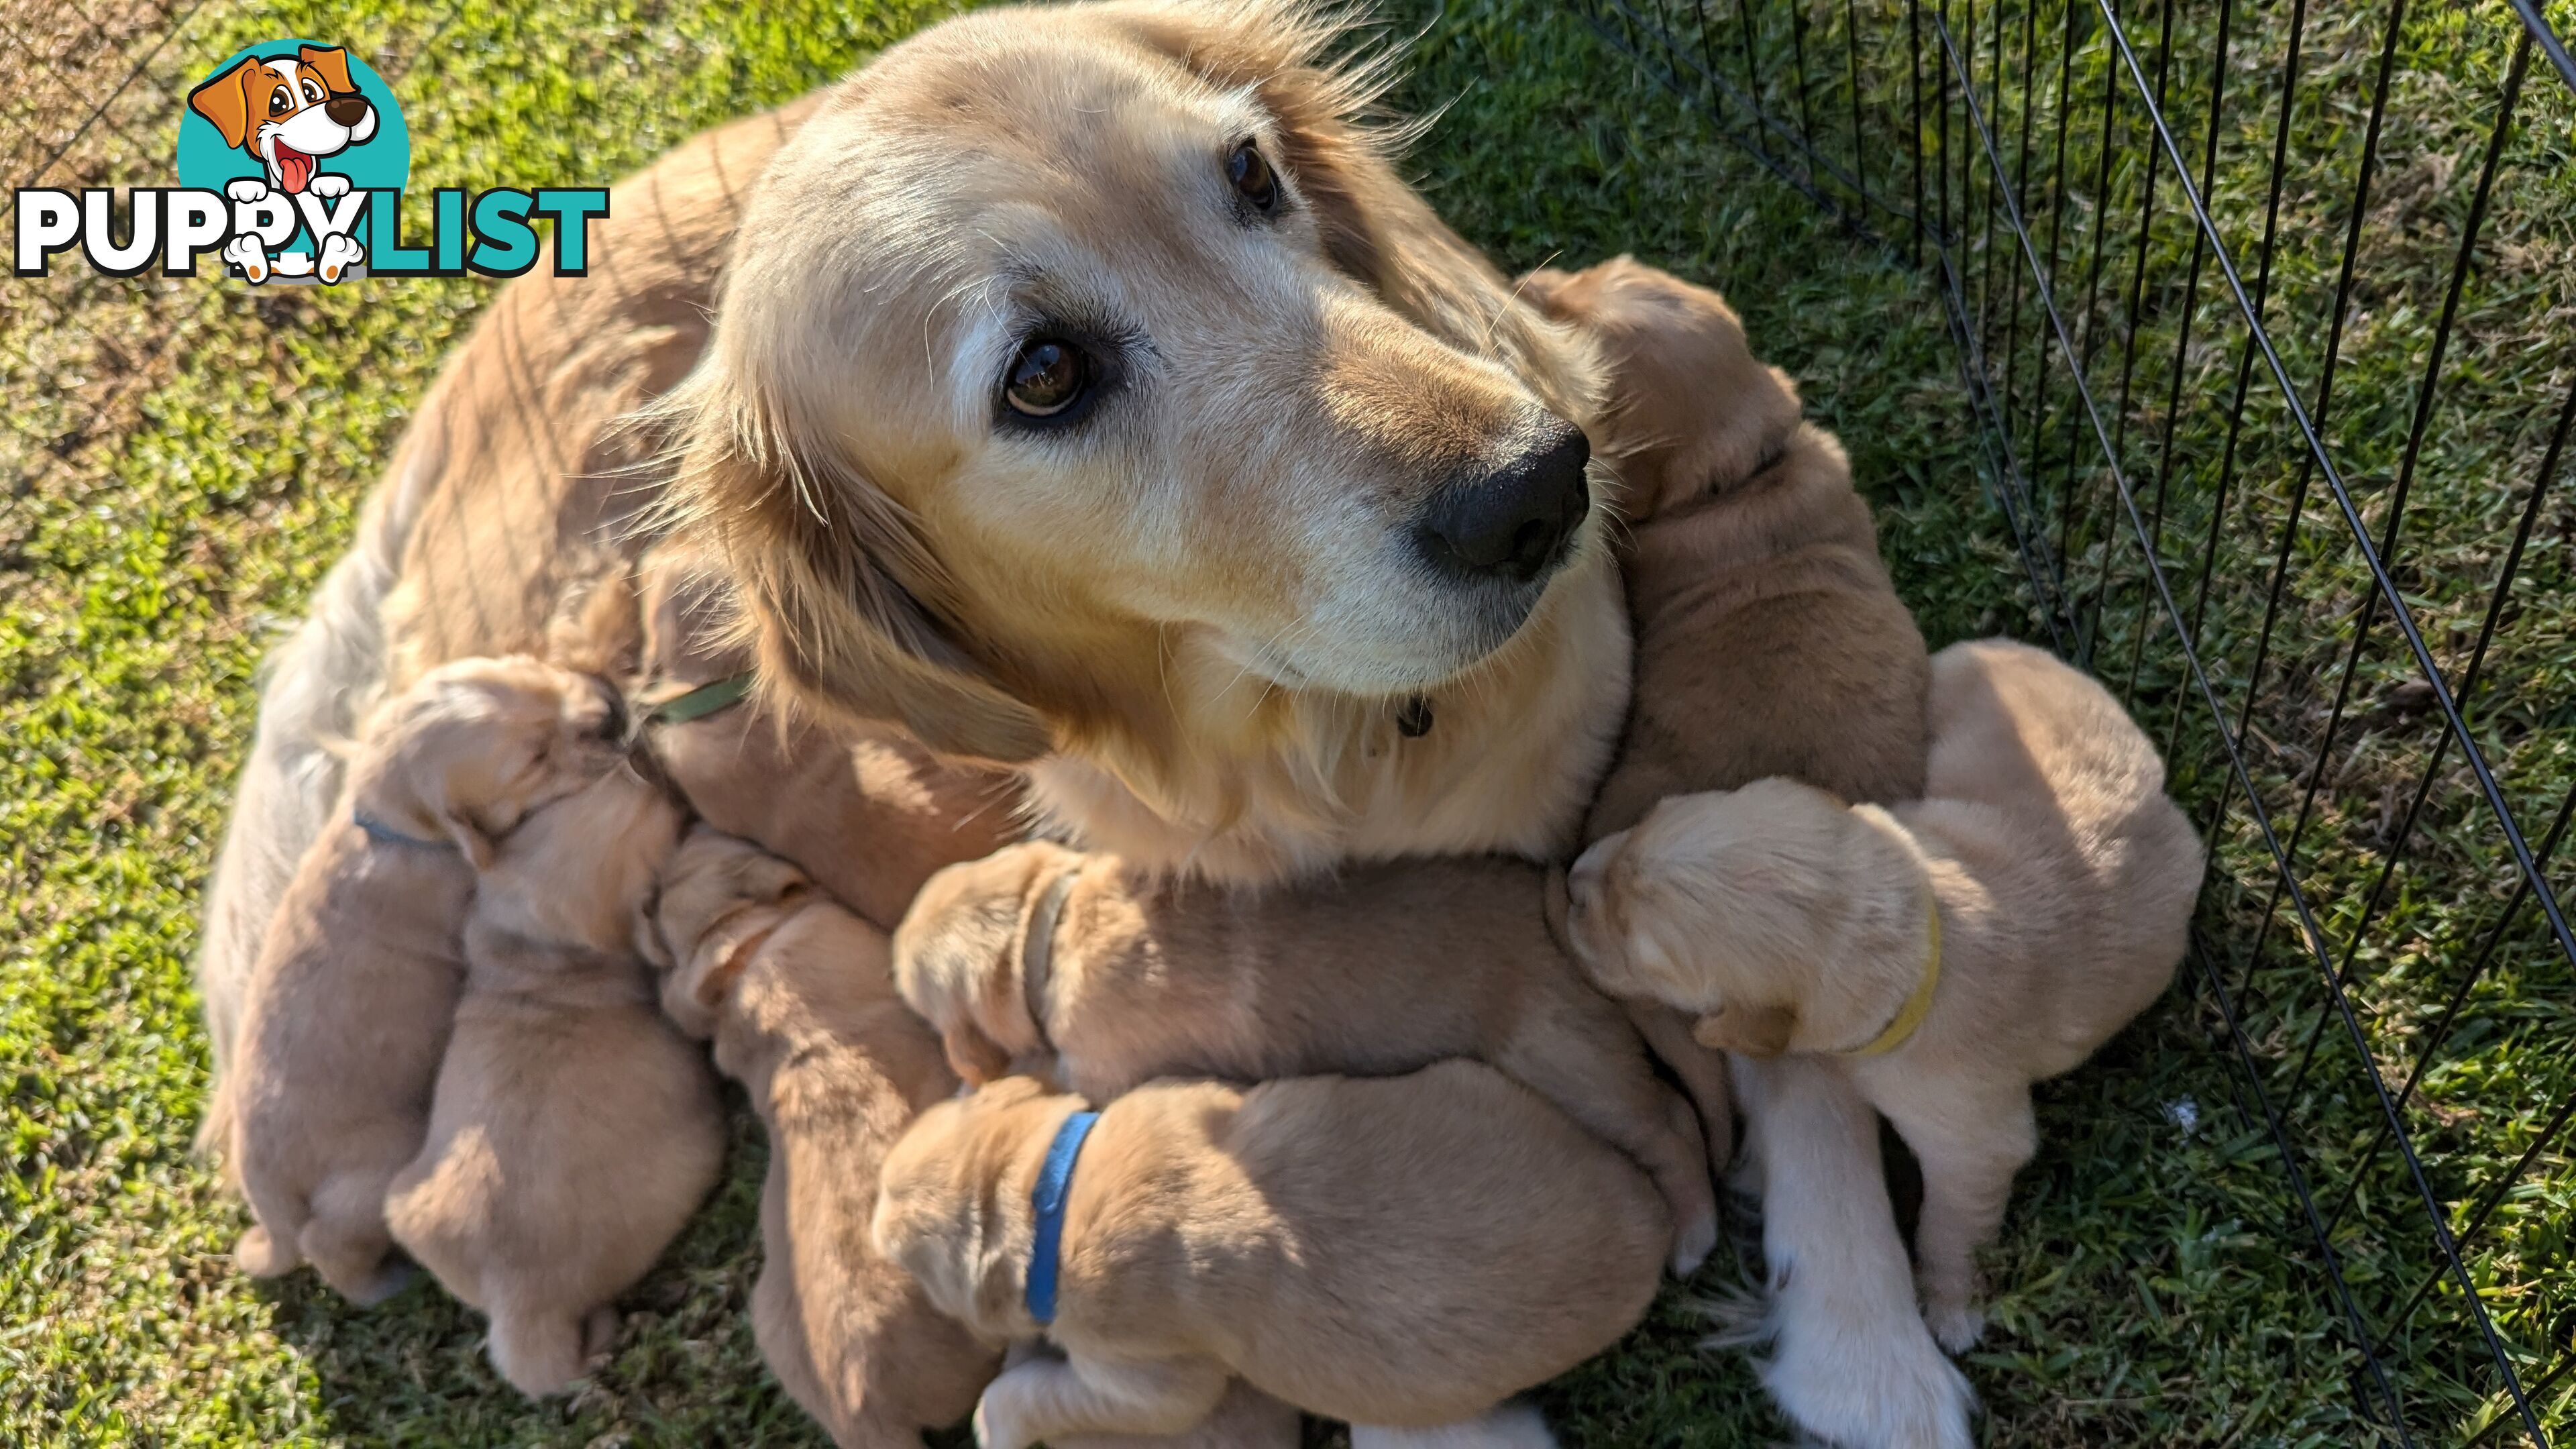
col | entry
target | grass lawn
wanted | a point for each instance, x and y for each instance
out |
(183, 459)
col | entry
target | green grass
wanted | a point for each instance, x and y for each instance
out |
(186, 458)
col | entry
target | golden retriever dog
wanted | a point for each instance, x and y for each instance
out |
(797, 993)
(1101, 978)
(1210, 1232)
(863, 810)
(350, 1002)
(573, 1129)
(1952, 951)
(1256, 561)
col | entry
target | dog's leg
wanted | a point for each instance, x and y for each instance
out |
(1852, 1361)
(541, 1349)
(347, 1241)
(1511, 1426)
(1609, 1091)
(1702, 1073)
(1970, 1144)
(1044, 1398)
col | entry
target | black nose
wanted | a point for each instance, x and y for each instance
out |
(347, 109)
(1514, 522)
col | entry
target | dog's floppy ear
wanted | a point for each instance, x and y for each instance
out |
(1755, 1031)
(225, 100)
(333, 63)
(404, 802)
(831, 574)
(973, 1056)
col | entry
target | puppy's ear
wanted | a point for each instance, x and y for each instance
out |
(832, 572)
(973, 1056)
(333, 64)
(401, 798)
(1755, 1031)
(225, 100)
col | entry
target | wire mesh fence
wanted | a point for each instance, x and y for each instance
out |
(2264, 317)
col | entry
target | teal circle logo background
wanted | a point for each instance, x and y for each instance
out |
(381, 162)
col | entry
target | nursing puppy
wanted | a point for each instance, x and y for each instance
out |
(1743, 527)
(1952, 951)
(574, 1129)
(350, 1000)
(1210, 1232)
(799, 998)
(1102, 977)
(864, 810)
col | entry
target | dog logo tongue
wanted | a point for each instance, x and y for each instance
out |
(294, 168)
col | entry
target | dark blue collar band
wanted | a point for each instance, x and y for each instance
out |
(383, 834)
(1055, 1184)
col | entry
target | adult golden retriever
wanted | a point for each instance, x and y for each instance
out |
(1090, 395)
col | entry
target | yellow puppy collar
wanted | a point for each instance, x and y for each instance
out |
(1917, 1006)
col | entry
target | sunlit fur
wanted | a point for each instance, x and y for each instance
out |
(1200, 610)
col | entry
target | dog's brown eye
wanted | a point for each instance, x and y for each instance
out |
(312, 94)
(279, 102)
(1252, 177)
(1047, 377)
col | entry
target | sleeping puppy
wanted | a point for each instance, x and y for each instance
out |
(1952, 951)
(1404, 1251)
(573, 1130)
(349, 1003)
(862, 809)
(1102, 977)
(1743, 527)
(798, 996)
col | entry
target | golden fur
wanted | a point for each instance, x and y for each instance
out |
(1197, 617)
(349, 1004)
(799, 998)
(1400, 1251)
(573, 1130)
(1787, 921)
(1145, 977)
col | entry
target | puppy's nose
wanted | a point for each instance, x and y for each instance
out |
(348, 109)
(1513, 523)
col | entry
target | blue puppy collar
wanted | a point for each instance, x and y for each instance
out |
(1055, 1184)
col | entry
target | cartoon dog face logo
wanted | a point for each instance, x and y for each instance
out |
(288, 111)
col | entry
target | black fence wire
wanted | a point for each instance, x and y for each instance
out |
(2161, 236)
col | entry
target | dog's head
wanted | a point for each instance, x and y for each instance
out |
(478, 744)
(940, 1212)
(289, 111)
(1066, 350)
(1759, 911)
(720, 896)
(1691, 409)
(957, 956)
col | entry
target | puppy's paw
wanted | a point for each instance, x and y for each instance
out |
(540, 1354)
(1955, 1326)
(328, 186)
(1872, 1386)
(245, 252)
(996, 1428)
(261, 1255)
(339, 254)
(247, 190)
(1693, 1243)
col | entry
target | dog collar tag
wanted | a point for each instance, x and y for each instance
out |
(1055, 1185)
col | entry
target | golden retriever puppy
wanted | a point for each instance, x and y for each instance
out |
(1769, 638)
(1951, 951)
(352, 993)
(863, 809)
(1405, 1251)
(799, 997)
(573, 1129)
(1102, 977)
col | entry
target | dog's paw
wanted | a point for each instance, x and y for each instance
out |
(262, 1255)
(1873, 1387)
(328, 186)
(997, 1428)
(339, 254)
(1693, 1243)
(245, 252)
(247, 190)
(1955, 1326)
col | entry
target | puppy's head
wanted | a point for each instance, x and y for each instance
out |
(720, 897)
(953, 1201)
(958, 956)
(1067, 343)
(1691, 410)
(288, 110)
(478, 744)
(1773, 913)
(582, 868)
